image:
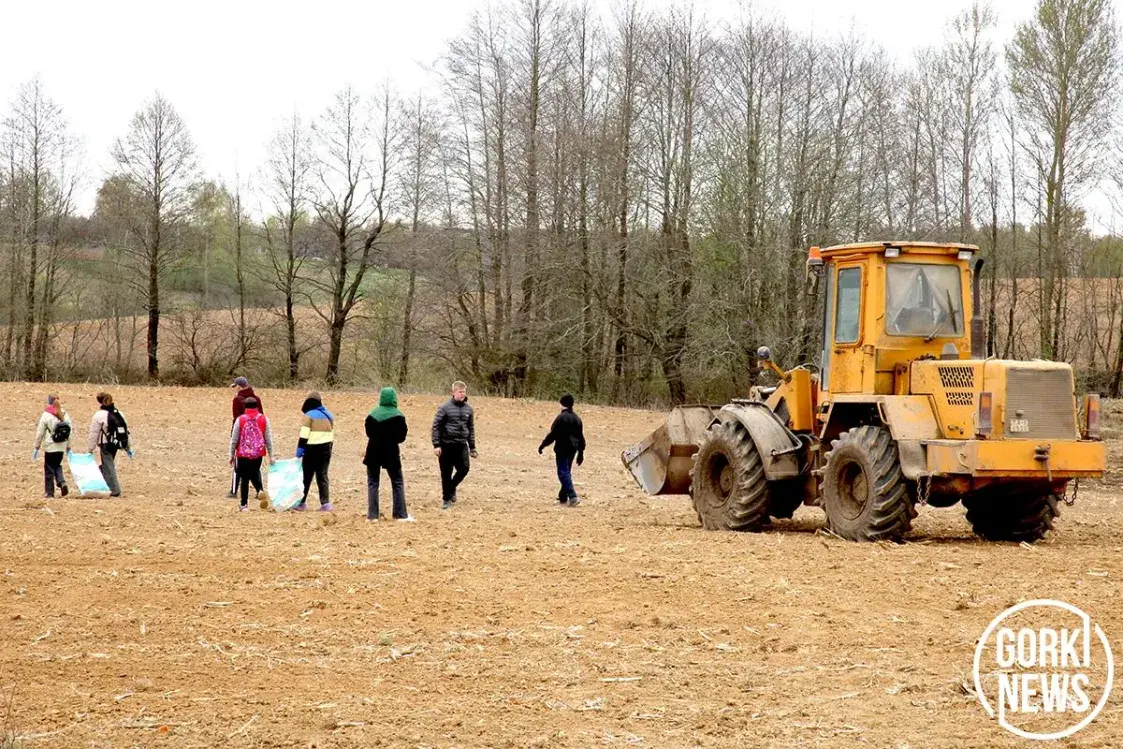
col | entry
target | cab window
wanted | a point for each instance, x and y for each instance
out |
(846, 319)
(923, 300)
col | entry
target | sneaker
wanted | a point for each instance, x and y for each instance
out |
(406, 519)
(64, 490)
(243, 508)
(326, 507)
(372, 520)
(300, 507)
(231, 495)
(48, 495)
(447, 504)
(573, 501)
(263, 499)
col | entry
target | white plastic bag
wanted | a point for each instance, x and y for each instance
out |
(285, 481)
(87, 475)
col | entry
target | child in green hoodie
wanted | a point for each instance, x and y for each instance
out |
(386, 430)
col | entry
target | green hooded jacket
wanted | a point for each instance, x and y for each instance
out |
(387, 405)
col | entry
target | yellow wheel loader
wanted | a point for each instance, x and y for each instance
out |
(903, 409)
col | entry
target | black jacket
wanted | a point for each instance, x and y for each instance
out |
(455, 424)
(567, 435)
(383, 438)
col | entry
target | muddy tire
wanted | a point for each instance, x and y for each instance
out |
(865, 495)
(1008, 514)
(730, 491)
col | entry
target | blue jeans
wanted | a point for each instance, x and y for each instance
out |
(565, 477)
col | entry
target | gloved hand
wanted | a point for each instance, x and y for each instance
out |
(474, 454)
(300, 452)
(580, 458)
(35, 454)
(69, 452)
(129, 452)
(540, 449)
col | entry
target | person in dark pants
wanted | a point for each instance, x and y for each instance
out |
(386, 430)
(251, 440)
(567, 435)
(238, 407)
(317, 432)
(106, 430)
(53, 452)
(454, 441)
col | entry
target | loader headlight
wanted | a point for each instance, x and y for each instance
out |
(984, 424)
(892, 252)
(965, 254)
(1092, 416)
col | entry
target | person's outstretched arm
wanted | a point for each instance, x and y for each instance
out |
(438, 419)
(472, 430)
(551, 436)
(235, 435)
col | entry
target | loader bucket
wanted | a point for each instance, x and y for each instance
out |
(662, 463)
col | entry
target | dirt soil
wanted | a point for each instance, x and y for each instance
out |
(165, 618)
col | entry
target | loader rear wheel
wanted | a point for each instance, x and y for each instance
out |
(730, 491)
(1011, 514)
(864, 492)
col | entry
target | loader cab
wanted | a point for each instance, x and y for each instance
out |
(888, 304)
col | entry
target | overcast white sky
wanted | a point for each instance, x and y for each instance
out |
(236, 69)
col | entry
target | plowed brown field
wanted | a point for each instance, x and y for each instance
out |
(165, 618)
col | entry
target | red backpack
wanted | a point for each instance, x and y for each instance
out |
(251, 436)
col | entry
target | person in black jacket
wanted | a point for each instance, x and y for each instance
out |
(454, 440)
(567, 435)
(386, 429)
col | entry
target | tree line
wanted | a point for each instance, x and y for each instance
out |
(613, 203)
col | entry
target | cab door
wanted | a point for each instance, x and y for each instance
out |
(846, 357)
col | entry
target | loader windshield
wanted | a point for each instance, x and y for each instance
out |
(923, 300)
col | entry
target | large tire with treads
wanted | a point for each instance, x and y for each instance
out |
(1011, 513)
(730, 491)
(865, 495)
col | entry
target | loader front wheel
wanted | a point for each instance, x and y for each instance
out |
(730, 491)
(1011, 514)
(865, 495)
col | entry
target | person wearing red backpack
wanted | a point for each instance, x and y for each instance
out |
(250, 442)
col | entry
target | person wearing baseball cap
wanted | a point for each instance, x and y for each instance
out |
(239, 408)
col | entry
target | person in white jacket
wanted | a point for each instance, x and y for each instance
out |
(53, 452)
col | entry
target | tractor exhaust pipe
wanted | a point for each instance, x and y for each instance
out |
(978, 331)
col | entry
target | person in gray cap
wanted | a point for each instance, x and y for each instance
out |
(239, 408)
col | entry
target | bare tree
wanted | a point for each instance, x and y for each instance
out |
(970, 65)
(1064, 75)
(38, 144)
(287, 175)
(353, 171)
(419, 184)
(157, 160)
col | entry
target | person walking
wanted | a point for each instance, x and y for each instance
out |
(386, 429)
(251, 440)
(567, 435)
(109, 434)
(454, 441)
(238, 408)
(53, 435)
(317, 432)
